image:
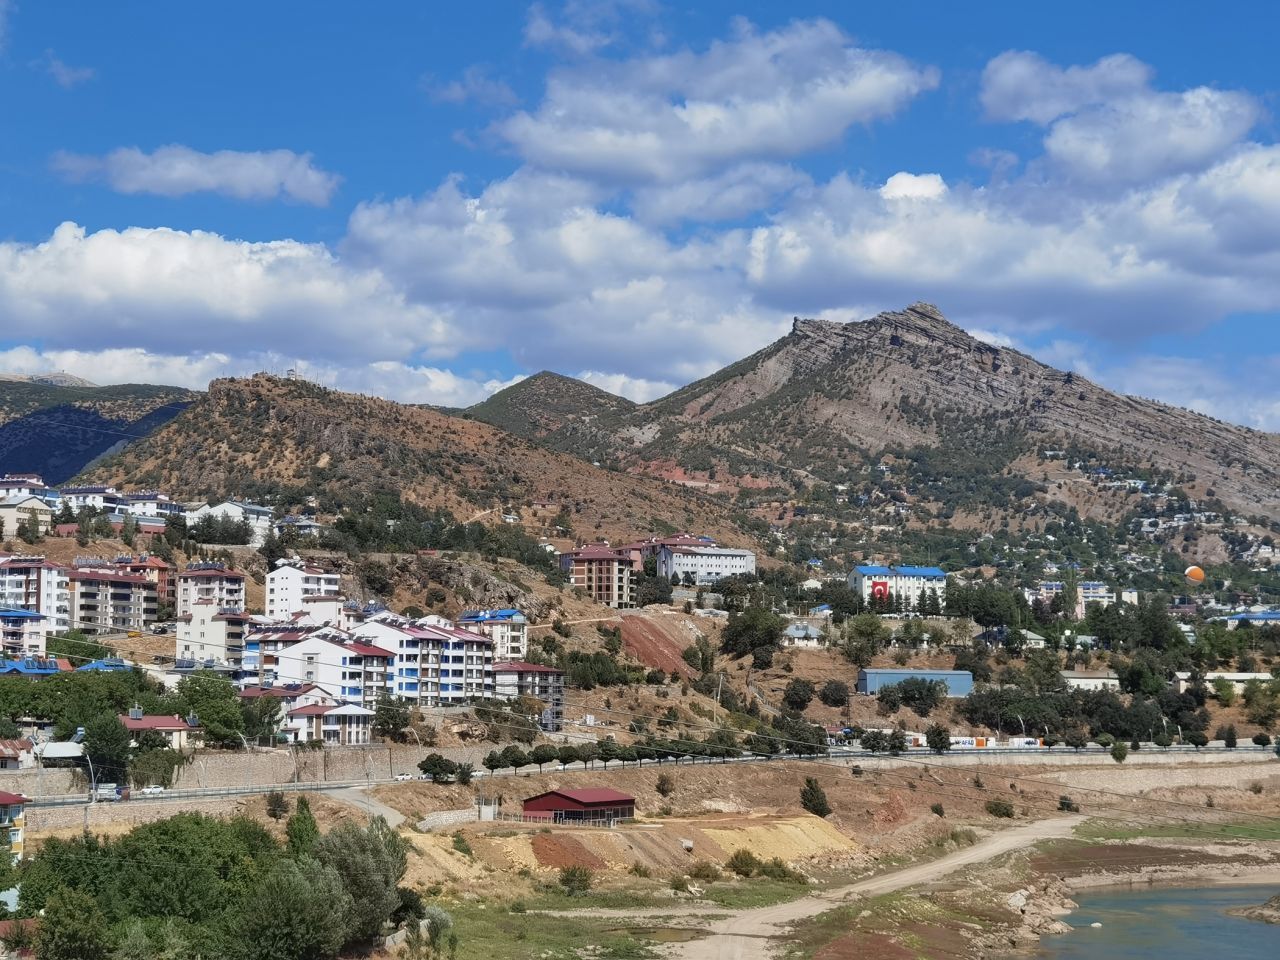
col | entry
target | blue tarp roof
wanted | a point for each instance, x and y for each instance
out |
(920, 571)
(480, 616)
(8, 613)
(109, 665)
(874, 570)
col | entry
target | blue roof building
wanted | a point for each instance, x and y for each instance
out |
(872, 681)
(107, 665)
(876, 582)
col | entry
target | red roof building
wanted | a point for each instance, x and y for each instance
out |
(593, 804)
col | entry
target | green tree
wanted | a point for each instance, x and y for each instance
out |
(1119, 751)
(260, 717)
(371, 861)
(72, 928)
(814, 799)
(834, 693)
(575, 880)
(391, 716)
(301, 829)
(300, 910)
(212, 698)
(542, 754)
(938, 738)
(515, 758)
(798, 693)
(438, 768)
(495, 761)
(277, 805)
(608, 749)
(106, 744)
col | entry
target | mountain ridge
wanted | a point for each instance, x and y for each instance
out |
(911, 380)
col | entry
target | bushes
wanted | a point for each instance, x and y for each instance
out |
(665, 785)
(1119, 751)
(1262, 739)
(744, 863)
(937, 810)
(1000, 808)
(814, 799)
(1067, 805)
(575, 880)
(798, 694)
(705, 871)
(834, 693)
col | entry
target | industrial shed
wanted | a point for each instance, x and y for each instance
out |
(598, 803)
(959, 682)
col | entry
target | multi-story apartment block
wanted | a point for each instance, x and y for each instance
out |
(152, 503)
(333, 725)
(162, 574)
(210, 581)
(13, 819)
(436, 664)
(606, 574)
(108, 601)
(349, 668)
(513, 680)
(210, 634)
(290, 583)
(703, 564)
(258, 517)
(32, 583)
(21, 634)
(24, 510)
(97, 497)
(507, 628)
(874, 583)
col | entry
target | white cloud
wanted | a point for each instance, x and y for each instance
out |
(6, 11)
(173, 292)
(1246, 395)
(175, 170)
(475, 85)
(735, 193)
(1108, 125)
(65, 75)
(1020, 85)
(758, 96)
(580, 37)
(398, 381)
(911, 186)
(633, 388)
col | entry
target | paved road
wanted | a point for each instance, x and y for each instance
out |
(359, 797)
(753, 934)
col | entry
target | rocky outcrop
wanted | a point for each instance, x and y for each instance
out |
(1268, 912)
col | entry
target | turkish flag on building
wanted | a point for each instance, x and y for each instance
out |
(879, 588)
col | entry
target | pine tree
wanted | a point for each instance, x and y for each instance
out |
(302, 829)
(814, 799)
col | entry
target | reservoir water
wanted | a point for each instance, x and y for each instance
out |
(1175, 923)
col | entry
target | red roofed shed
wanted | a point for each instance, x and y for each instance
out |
(597, 803)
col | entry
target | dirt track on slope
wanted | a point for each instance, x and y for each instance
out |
(751, 934)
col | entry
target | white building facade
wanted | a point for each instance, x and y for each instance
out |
(210, 581)
(703, 565)
(290, 583)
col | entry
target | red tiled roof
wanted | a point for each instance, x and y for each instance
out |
(284, 693)
(154, 722)
(11, 799)
(311, 710)
(12, 748)
(363, 649)
(591, 795)
(519, 666)
(111, 577)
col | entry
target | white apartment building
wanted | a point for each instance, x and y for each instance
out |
(210, 581)
(351, 669)
(32, 583)
(876, 582)
(435, 665)
(704, 564)
(507, 628)
(152, 503)
(22, 510)
(292, 582)
(208, 633)
(513, 680)
(333, 725)
(97, 497)
(21, 634)
(258, 517)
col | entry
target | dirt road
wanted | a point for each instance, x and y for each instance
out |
(752, 934)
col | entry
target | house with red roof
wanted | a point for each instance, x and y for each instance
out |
(436, 662)
(595, 804)
(208, 634)
(352, 669)
(107, 600)
(179, 731)
(13, 818)
(344, 724)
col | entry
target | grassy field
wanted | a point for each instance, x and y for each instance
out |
(493, 932)
(1109, 830)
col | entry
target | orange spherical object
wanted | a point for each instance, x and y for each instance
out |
(1194, 575)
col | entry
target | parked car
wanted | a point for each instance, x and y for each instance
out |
(404, 776)
(151, 790)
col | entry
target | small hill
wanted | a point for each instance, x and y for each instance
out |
(284, 441)
(56, 429)
(559, 412)
(830, 400)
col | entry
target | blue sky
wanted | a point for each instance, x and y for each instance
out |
(427, 201)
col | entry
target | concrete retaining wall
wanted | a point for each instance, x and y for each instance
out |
(448, 818)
